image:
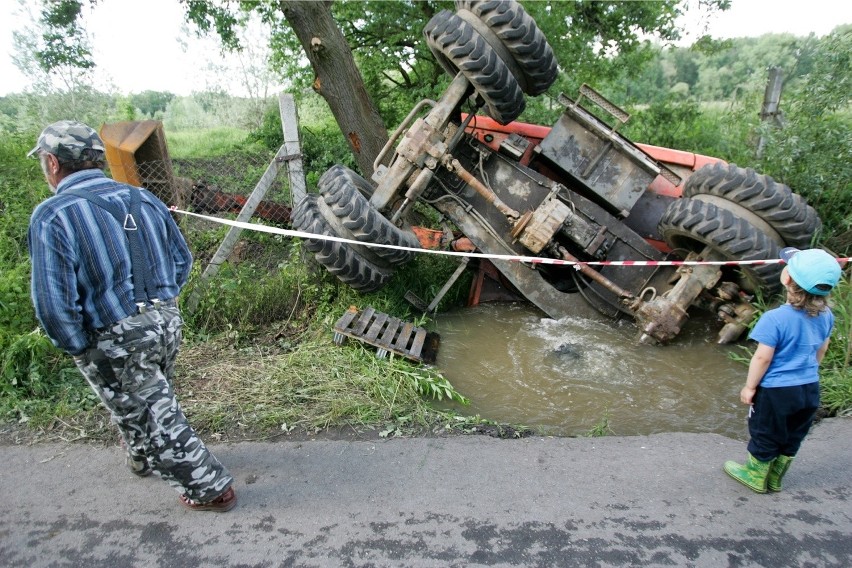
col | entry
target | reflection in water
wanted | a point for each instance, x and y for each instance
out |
(565, 376)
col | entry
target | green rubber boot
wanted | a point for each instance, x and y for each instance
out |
(777, 471)
(752, 474)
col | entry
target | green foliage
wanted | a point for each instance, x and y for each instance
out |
(669, 122)
(429, 383)
(323, 145)
(27, 114)
(25, 359)
(64, 42)
(28, 365)
(602, 428)
(249, 295)
(234, 170)
(396, 64)
(836, 367)
(314, 386)
(150, 103)
(205, 143)
(16, 311)
(812, 153)
(710, 69)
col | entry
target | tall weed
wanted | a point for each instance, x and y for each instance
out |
(836, 382)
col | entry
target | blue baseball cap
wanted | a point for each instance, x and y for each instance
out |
(814, 270)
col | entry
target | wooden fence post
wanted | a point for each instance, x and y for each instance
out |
(770, 112)
(290, 155)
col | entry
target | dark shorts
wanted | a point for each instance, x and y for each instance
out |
(780, 420)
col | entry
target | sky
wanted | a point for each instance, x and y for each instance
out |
(144, 45)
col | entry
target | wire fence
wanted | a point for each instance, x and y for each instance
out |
(217, 186)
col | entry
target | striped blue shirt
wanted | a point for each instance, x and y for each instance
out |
(81, 279)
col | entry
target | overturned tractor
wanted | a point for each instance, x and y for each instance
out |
(578, 191)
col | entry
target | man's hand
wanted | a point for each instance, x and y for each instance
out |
(747, 394)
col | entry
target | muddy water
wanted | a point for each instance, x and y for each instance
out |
(565, 376)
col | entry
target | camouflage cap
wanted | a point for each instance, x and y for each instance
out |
(70, 141)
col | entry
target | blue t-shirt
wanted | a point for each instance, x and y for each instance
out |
(796, 337)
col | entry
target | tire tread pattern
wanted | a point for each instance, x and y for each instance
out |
(458, 47)
(338, 258)
(786, 212)
(687, 221)
(341, 189)
(522, 38)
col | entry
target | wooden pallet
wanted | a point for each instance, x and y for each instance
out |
(388, 334)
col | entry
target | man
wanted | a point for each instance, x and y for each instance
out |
(108, 262)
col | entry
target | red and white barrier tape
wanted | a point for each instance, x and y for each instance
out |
(505, 257)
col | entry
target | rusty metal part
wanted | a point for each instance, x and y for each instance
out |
(662, 318)
(137, 154)
(737, 317)
(603, 161)
(538, 228)
(455, 167)
(400, 129)
(593, 274)
(521, 224)
(208, 199)
(425, 138)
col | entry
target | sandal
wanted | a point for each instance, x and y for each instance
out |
(224, 502)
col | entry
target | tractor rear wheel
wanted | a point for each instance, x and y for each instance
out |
(338, 258)
(785, 212)
(691, 225)
(459, 47)
(344, 207)
(508, 24)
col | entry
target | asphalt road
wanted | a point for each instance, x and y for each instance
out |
(659, 500)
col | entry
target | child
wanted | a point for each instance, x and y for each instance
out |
(782, 386)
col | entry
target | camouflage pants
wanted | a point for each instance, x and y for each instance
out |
(130, 367)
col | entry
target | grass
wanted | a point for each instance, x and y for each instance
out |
(264, 387)
(602, 428)
(205, 143)
(836, 379)
(314, 386)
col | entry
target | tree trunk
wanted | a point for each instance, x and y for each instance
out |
(338, 79)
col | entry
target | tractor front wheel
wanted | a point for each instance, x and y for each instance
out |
(338, 258)
(509, 26)
(460, 48)
(346, 209)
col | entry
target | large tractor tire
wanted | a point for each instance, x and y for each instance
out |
(354, 218)
(787, 213)
(508, 25)
(338, 258)
(364, 187)
(459, 47)
(691, 225)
